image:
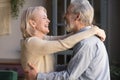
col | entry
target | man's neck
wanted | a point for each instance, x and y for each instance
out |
(79, 27)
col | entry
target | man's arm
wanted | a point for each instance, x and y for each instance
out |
(32, 74)
(63, 75)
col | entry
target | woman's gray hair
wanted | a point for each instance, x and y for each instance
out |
(29, 13)
(84, 8)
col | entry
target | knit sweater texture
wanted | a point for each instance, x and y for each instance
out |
(39, 52)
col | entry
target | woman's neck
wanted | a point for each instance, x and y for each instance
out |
(40, 35)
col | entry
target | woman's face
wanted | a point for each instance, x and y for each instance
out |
(42, 22)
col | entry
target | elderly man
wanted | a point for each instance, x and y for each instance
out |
(90, 60)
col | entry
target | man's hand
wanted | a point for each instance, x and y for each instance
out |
(31, 74)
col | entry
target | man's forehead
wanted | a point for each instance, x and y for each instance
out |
(69, 8)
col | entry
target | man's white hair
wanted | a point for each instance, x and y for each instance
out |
(85, 10)
(78, 0)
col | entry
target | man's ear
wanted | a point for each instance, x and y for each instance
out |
(32, 23)
(77, 17)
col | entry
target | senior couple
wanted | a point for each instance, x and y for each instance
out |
(90, 60)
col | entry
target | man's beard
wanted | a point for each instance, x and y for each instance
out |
(69, 27)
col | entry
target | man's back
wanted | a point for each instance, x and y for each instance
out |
(90, 60)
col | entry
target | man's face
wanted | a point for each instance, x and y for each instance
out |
(42, 22)
(69, 17)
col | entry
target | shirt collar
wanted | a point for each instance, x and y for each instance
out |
(84, 29)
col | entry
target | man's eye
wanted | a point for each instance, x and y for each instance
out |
(44, 18)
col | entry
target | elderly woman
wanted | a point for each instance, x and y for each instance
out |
(37, 47)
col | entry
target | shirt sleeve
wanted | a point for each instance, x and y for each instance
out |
(76, 66)
(50, 47)
(63, 75)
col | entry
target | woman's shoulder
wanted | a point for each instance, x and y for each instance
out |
(32, 39)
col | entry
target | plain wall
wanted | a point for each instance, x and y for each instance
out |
(10, 44)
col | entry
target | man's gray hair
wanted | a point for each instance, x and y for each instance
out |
(85, 9)
(77, 0)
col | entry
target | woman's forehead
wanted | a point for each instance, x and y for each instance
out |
(42, 13)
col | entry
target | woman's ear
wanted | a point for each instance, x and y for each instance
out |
(32, 23)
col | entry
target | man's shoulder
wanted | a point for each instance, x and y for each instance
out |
(91, 40)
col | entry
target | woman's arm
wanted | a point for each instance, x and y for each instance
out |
(50, 47)
(100, 33)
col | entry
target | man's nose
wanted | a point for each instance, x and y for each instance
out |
(48, 20)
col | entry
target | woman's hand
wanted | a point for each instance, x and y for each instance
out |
(100, 33)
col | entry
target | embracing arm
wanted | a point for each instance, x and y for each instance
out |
(32, 74)
(99, 32)
(50, 47)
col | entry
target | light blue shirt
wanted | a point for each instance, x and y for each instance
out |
(90, 62)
